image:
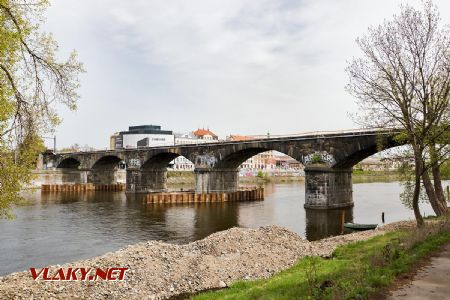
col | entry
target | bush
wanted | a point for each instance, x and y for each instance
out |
(316, 159)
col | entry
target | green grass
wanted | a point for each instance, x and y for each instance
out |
(355, 271)
(375, 173)
(360, 176)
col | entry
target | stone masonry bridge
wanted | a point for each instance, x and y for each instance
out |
(328, 158)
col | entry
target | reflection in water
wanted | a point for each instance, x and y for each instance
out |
(212, 217)
(322, 223)
(184, 222)
(67, 226)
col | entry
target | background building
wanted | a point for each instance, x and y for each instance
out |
(370, 164)
(181, 163)
(113, 141)
(271, 162)
(142, 136)
(190, 138)
(205, 134)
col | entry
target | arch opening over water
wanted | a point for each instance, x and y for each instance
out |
(170, 160)
(271, 162)
(107, 162)
(69, 163)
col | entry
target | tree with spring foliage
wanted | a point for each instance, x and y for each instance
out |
(402, 81)
(32, 82)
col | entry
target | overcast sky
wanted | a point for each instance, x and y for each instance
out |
(237, 67)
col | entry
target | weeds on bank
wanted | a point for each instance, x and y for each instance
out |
(355, 271)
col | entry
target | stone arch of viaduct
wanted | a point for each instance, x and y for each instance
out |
(328, 159)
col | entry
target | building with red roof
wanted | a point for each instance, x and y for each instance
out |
(205, 134)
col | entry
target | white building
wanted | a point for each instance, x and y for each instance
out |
(181, 163)
(142, 136)
(188, 139)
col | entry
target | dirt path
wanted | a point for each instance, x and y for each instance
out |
(430, 282)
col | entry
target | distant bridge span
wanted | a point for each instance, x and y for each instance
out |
(328, 158)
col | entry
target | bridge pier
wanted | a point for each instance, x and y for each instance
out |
(328, 188)
(146, 180)
(84, 175)
(101, 176)
(216, 180)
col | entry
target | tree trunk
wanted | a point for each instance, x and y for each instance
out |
(415, 200)
(437, 178)
(438, 186)
(429, 188)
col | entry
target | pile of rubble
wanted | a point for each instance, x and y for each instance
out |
(159, 270)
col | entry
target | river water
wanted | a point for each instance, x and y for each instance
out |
(61, 227)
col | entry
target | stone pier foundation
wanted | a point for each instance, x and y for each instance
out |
(328, 188)
(61, 176)
(207, 180)
(146, 180)
(102, 176)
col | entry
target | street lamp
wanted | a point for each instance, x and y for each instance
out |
(54, 141)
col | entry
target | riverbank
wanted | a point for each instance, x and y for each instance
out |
(160, 270)
(179, 178)
(362, 270)
(188, 178)
(359, 176)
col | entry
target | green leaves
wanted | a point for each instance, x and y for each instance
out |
(32, 82)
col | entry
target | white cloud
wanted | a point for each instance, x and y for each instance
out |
(238, 66)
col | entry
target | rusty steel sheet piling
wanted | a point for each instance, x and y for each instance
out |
(248, 194)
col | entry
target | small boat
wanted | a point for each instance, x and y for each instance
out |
(360, 227)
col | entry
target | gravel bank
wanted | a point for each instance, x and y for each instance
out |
(159, 270)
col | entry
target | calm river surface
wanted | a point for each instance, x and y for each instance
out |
(62, 227)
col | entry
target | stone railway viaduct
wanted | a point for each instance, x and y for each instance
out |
(328, 158)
